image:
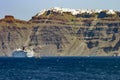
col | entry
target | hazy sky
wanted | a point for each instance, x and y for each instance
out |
(25, 9)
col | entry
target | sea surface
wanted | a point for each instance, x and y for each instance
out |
(60, 68)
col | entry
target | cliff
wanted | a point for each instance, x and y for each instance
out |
(63, 32)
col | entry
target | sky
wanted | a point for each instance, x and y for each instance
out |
(25, 9)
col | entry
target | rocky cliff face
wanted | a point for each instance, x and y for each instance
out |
(63, 33)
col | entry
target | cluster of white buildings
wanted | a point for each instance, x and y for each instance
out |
(75, 11)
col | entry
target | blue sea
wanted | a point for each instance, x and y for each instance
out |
(60, 68)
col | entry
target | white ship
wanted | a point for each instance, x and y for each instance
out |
(23, 53)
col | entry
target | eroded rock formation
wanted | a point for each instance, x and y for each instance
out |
(62, 34)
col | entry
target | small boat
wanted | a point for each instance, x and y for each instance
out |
(30, 53)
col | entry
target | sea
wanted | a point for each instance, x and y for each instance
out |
(60, 68)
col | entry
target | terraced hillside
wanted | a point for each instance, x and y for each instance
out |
(63, 32)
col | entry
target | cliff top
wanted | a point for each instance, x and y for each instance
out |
(75, 11)
(11, 19)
